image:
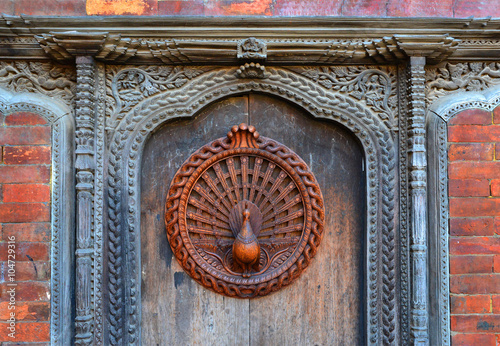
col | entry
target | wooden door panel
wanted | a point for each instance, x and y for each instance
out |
(324, 306)
(175, 309)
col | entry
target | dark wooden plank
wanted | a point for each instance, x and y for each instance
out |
(325, 305)
(175, 309)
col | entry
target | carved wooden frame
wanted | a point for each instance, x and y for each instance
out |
(392, 137)
(135, 127)
(60, 118)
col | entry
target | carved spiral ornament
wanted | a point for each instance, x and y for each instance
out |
(244, 215)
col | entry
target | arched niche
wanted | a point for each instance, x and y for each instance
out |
(326, 304)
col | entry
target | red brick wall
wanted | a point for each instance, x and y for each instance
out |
(474, 190)
(373, 8)
(25, 159)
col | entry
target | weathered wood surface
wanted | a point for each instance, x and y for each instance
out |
(324, 306)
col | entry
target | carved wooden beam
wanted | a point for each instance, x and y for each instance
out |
(117, 48)
(216, 40)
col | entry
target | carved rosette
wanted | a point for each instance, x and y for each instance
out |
(244, 215)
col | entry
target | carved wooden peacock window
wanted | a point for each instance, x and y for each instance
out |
(244, 215)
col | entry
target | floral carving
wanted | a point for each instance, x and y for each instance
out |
(131, 85)
(375, 87)
(50, 79)
(471, 76)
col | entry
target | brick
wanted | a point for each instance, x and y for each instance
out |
(468, 188)
(372, 8)
(181, 8)
(121, 7)
(419, 8)
(27, 331)
(475, 284)
(26, 311)
(24, 118)
(18, 155)
(496, 264)
(476, 8)
(26, 251)
(497, 225)
(26, 193)
(497, 151)
(28, 291)
(24, 174)
(474, 170)
(496, 115)
(25, 135)
(463, 207)
(471, 152)
(7, 7)
(474, 245)
(495, 187)
(30, 271)
(473, 339)
(470, 227)
(27, 232)
(473, 133)
(472, 117)
(495, 304)
(471, 264)
(475, 323)
(470, 304)
(50, 7)
(286, 8)
(24, 212)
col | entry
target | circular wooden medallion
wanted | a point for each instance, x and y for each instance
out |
(244, 215)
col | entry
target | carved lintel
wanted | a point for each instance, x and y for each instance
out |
(418, 202)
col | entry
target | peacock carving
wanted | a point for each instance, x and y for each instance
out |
(243, 213)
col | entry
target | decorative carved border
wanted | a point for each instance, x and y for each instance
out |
(61, 121)
(134, 126)
(438, 115)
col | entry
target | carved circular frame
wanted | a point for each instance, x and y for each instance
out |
(267, 282)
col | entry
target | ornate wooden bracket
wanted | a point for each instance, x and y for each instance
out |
(244, 215)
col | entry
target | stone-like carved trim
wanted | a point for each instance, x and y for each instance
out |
(375, 86)
(97, 273)
(85, 169)
(404, 204)
(438, 114)
(54, 80)
(450, 78)
(134, 128)
(60, 118)
(418, 202)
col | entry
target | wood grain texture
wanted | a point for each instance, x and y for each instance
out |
(324, 306)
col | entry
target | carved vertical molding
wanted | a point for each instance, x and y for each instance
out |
(85, 169)
(418, 202)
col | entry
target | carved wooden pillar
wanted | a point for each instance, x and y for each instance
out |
(85, 167)
(418, 202)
